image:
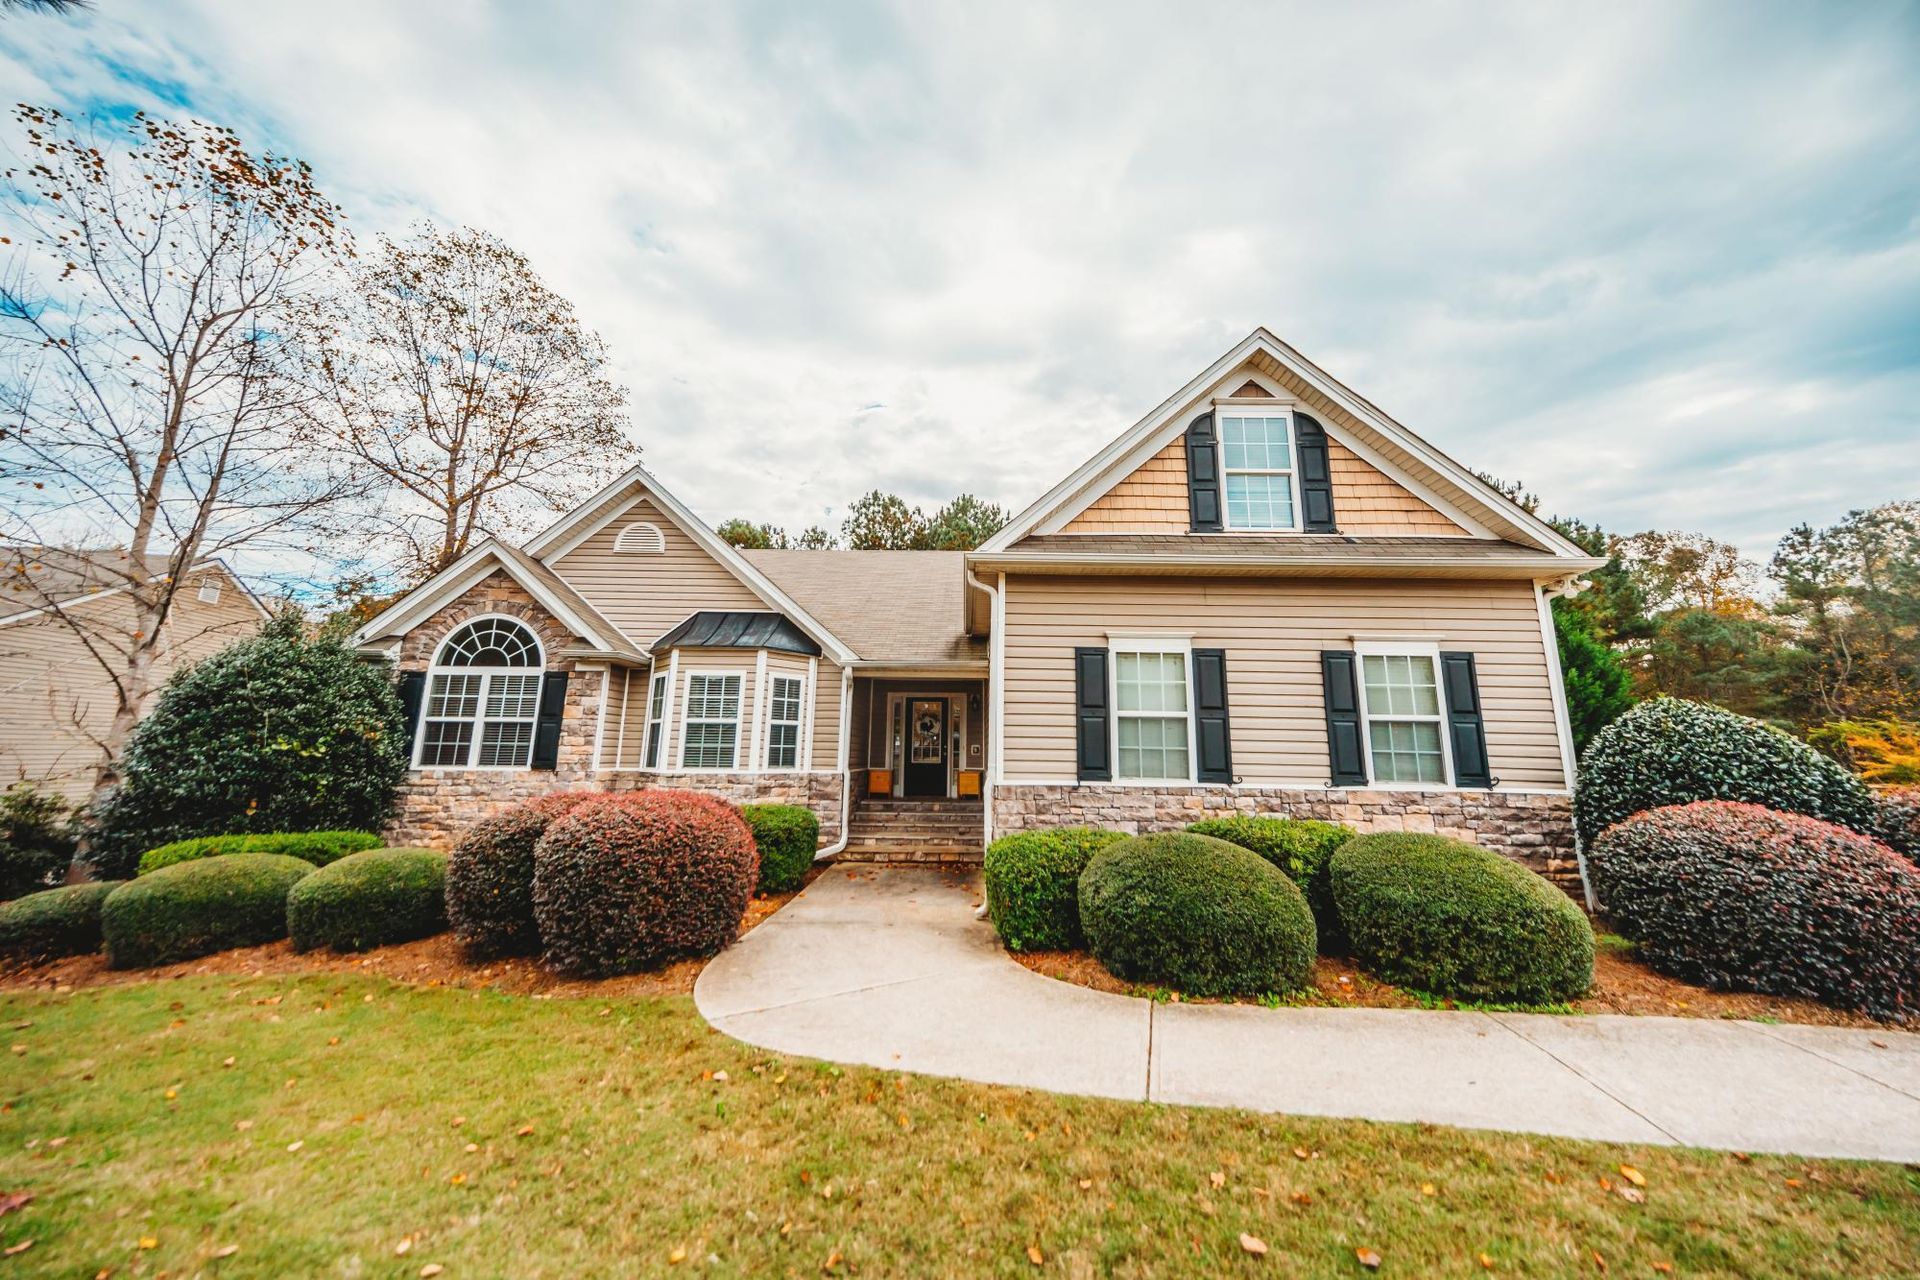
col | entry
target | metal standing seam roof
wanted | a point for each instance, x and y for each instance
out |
(728, 629)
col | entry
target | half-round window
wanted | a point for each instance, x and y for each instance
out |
(641, 537)
(483, 696)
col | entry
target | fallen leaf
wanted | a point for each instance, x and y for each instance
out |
(19, 1050)
(1794, 1182)
(458, 1121)
(226, 1251)
(1664, 1268)
(242, 1126)
(15, 1250)
(1743, 1157)
(226, 1062)
(678, 1255)
(171, 1094)
(1633, 1175)
(432, 1268)
(1206, 1206)
(12, 1200)
(472, 1147)
(1368, 1258)
(720, 1077)
(458, 1179)
(524, 1131)
(1034, 1255)
(296, 1145)
(1253, 1245)
(1599, 1261)
(1486, 1261)
(149, 1242)
(1218, 1179)
(1633, 1195)
(403, 1248)
(1301, 1197)
(833, 1260)
(1428, 1189)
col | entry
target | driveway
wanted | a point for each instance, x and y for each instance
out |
(889, 968)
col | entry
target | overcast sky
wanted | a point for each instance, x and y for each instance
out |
(1661, 261)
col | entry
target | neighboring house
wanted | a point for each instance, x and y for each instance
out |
(65, 618)
(1265, 596)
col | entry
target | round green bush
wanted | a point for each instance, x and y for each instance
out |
(1897, 819)
(370, 899)
(1198, 914)
(1670, 751)
(197, 908)
(36, 838)
(54, 922)
(490, 875)
(280, 732)
(1452, 919)
(626, 885)
(317, 847)
(1750, 899)
(1033, 885)
(1301, 848)
(787, 835)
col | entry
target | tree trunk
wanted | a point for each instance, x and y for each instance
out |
(134, 685)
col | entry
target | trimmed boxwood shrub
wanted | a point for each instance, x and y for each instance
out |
(1671, 751)
(1301, 847)
(490, 875)
(36, 838)
(1199, 914)
(626, 885)
(1452, 919)
(370, 899)
(1749, 899)
(317, 847)
(196, 908)
(1897, 819)
(54, 922)
(787, 836)
(1033, 885)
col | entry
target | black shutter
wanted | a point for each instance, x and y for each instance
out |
(1092, 715)
(413, 691)
(546, 724)
(1210, 715)
(1465, 728)
(1203, 475)
(1316, 476)
(1339, 677)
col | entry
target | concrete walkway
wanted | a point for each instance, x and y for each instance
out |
(890, 968)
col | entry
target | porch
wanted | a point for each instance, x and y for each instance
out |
(917, 756)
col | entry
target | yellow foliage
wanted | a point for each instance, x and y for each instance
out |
(1886, 752)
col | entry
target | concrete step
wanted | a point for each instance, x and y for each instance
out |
(898, 803)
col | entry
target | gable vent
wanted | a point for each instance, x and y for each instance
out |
(643, 538)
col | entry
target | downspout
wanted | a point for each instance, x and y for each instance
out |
(846, 771)
(1550, 641)
(994, 677)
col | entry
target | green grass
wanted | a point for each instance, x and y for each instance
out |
(123, 1121)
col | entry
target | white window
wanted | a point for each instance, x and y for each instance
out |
(783, 722)
(641, 538)
(1406, 736)
(1153, 722)
(656, 719)
(483, 695)
(1256, 462)
(710, 731)
(209, 590)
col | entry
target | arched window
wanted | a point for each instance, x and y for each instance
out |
(483, 694)
(641, 537)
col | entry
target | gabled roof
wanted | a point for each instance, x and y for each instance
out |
(37, 579)
(731, 629)
(1453, 488)
(898, 608)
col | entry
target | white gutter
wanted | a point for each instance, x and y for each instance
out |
(995, 679)
(846, 772)
(1530, 566)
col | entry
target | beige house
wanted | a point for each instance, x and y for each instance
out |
(1264, 596)
(65, 621)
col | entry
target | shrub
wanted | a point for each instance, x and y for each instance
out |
(54, 922)
(490, 876)
(787, 836)
(1447, 917)
(1199, 914)
(1669, 751)
(1744, 898)
(36, 838)
(623, 886)
(197, 908)
(1033, 885)
(370, 899)
(1897, 819)
(317, 847)
(1299, 847)
(276, 733)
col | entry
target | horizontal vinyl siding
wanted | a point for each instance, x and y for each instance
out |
(648, 594)
(1273, 633)
(826, 717)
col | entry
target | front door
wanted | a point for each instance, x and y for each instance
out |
(926, 747)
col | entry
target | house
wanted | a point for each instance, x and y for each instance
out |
(1265, 596)
(66, 625)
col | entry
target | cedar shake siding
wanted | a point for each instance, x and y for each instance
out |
(1273, 632)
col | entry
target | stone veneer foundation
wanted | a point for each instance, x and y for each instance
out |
(1534, 829)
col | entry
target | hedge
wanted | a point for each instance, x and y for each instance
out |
(1669, 751)
(1749, 899)
(54, 922)
(1897, 819)
(197, 908)
(36, 838)
(624, 886)
(317, 847)
(1198, 914)
(1033, 885)
(1301, 848)
(490, 875)
(787, 835)
(370, 899)
(1452, 919)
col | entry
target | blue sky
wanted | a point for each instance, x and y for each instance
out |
(1659, 261)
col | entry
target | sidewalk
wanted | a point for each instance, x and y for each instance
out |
(889, 968)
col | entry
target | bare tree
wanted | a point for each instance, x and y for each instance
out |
(468, 388)
(146, 407)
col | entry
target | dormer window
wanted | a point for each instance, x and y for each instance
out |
(641, 538)
(1256, 462)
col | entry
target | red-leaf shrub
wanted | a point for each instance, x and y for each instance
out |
(1899, 819)
(1749, 899)
(624, 886)
(490, 875)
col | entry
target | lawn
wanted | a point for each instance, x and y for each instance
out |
(344, 1125)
